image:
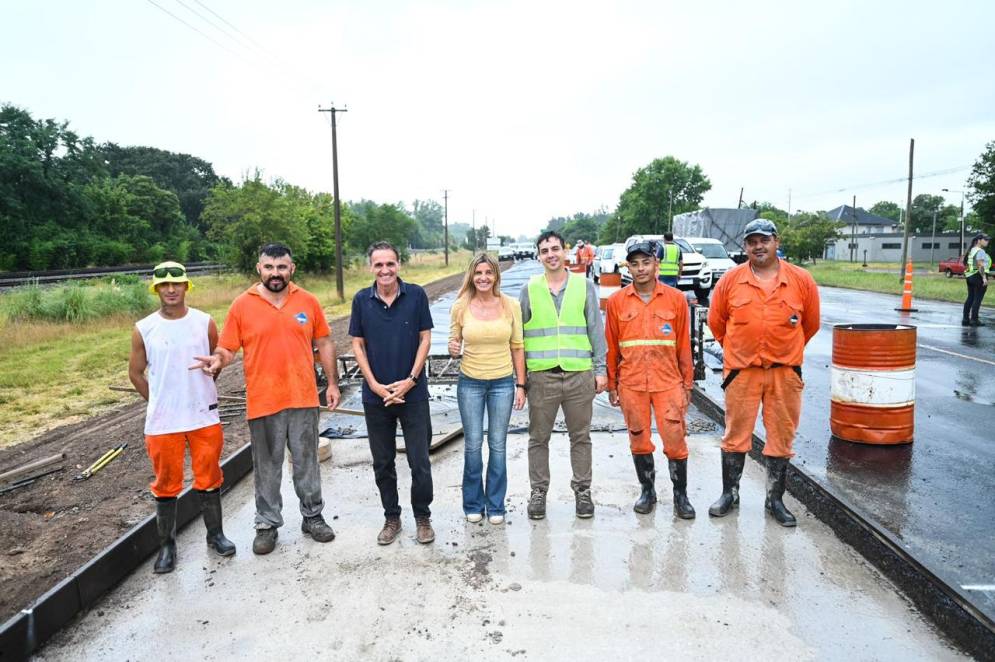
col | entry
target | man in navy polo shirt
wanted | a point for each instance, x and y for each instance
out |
(391, 329)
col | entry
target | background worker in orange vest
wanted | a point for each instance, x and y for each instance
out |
(649, 366)
(585, 256)
(763, 314)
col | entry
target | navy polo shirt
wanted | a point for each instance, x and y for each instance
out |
(391, 335)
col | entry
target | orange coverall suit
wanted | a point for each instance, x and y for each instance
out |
(763, 332)
(649, 363)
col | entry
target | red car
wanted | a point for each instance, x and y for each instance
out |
(952, 265)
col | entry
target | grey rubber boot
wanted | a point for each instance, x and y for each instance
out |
(732, 471)
(776, 469)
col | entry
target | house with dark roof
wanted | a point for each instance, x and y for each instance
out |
(874, 238)
(860, 221)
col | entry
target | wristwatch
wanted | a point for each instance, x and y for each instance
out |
(413, 378)
(523, 387)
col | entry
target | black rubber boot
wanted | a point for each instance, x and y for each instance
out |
(732, 471)
(646, 473)
(165, 521)
(679, 477)
(776, 468)
(210, 506)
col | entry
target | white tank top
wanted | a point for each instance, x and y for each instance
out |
(180, 399)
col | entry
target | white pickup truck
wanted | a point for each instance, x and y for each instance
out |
(696, 274)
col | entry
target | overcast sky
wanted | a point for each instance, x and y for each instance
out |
(525, 110)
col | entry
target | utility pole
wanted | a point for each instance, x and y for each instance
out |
(853, 230)
(445, 196)
(473, 226)
(908, 214)
(739, 205)
(339, 280)
(670, 209)
(789, 204)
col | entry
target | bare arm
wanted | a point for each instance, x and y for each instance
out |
(137, 363)
(326, 355)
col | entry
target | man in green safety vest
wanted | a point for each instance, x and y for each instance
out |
(565, 359)
(671, 260)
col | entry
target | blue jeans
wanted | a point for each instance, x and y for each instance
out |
(473, 396)
(668, 280)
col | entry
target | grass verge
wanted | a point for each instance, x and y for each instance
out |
(925, 284)
(55, 368)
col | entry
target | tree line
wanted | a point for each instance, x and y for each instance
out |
(668, 186)
(67, 201)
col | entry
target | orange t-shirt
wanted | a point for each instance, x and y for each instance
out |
(649, 344)
(757, 327)
(279, 359)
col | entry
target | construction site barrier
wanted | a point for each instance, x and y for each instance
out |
(609, 284)
(873, 383)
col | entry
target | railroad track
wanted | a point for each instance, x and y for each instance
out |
(20, 278)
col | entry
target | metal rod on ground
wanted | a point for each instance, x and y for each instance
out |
(30, 480)
(7, 476)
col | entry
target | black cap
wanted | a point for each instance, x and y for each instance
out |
(760, 226)
(647, 248)
(982, 235)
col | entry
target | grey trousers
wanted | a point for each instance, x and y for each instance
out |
(548, 391)
(271, 435)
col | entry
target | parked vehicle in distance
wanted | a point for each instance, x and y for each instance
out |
(506, 253)
(607, 260)
(715, 254)
(695, 274)
(953, 266)
(524, 250)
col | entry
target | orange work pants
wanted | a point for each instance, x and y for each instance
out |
(166, 452)
(669, 409)
(779, 390)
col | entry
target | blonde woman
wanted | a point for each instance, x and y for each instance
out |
(487, 326)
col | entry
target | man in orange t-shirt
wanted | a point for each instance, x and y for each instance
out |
(275, 322)
(763, 314)
(649, 367)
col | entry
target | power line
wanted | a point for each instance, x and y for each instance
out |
(899, 180)
(211, 23)
(229, 24)
(197, 30)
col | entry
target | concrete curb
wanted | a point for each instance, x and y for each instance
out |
(28, 631)
(945, 605)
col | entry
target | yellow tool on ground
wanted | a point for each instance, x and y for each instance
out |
(101, 462)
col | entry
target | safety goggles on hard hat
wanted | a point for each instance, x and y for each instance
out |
(169, 272)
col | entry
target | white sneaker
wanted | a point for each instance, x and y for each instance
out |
(496, 519)
(473, 518)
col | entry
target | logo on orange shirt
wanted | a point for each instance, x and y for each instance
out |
(301, 318)
(666, 329)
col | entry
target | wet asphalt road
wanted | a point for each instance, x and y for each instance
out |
(934, 494)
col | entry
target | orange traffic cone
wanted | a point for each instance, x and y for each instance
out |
(907, 291)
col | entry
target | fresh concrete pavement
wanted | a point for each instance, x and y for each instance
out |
(618, 586)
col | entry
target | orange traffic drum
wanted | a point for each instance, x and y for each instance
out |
(873, 383)
(610, 280)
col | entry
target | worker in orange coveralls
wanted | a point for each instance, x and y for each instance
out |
(763, 314)
(649, 367)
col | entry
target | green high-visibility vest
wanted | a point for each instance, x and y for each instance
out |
(558, 340)
(972, 261)
(670, 263)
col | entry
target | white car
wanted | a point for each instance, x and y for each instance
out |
(715, 254)
(695, 273)
(607, 260)
(506, 253)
